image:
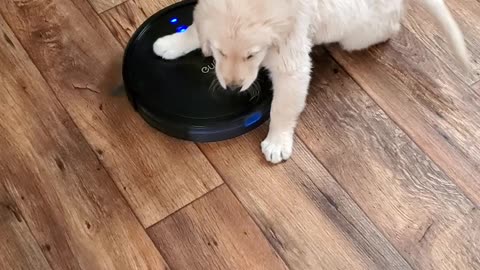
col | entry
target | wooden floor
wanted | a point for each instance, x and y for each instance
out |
(385, 173)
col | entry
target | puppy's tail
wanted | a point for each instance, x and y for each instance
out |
(449, 26)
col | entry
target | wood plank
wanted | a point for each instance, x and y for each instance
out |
(18, 249)
(310, 220)
(467, 14)
(124, 19)
(305, 214)
(404, 193)
(80, 58)
(476, 87)
(71, 205)
(435, 108)
(214, 232)
(104, 5)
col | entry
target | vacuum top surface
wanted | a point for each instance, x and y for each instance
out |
(183, 91)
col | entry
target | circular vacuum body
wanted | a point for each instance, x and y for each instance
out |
(181, 97)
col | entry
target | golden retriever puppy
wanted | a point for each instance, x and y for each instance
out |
(245, 35)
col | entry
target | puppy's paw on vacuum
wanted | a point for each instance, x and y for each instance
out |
(277, 148)
(170, 47)
(173, 46)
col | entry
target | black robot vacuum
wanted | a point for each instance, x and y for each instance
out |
(181, 97)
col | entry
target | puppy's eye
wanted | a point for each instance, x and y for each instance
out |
(252, 55)
(249, 57)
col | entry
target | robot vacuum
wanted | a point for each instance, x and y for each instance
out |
(181, 97)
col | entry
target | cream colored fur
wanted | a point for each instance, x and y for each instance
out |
(244, 35)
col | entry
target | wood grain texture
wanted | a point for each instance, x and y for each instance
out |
(124, 19)
(400, 189)
(18, 248)
(309, 219)
(214, 232)
(467, 14)
(71, 205)
(104, 5)
(80, 59)
(436, 109)
(476, 87)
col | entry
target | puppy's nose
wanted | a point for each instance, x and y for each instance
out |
(234, 86)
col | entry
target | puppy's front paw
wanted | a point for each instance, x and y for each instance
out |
(172, 46)
(277, 148)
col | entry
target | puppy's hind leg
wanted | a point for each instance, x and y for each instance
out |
(176, 45)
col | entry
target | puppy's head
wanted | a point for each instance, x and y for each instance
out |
(239, 34)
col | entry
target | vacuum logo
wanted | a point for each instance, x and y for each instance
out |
(209, 68)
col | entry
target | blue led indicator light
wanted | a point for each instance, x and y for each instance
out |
(174, 20)
(182, 29)
(252, 119)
